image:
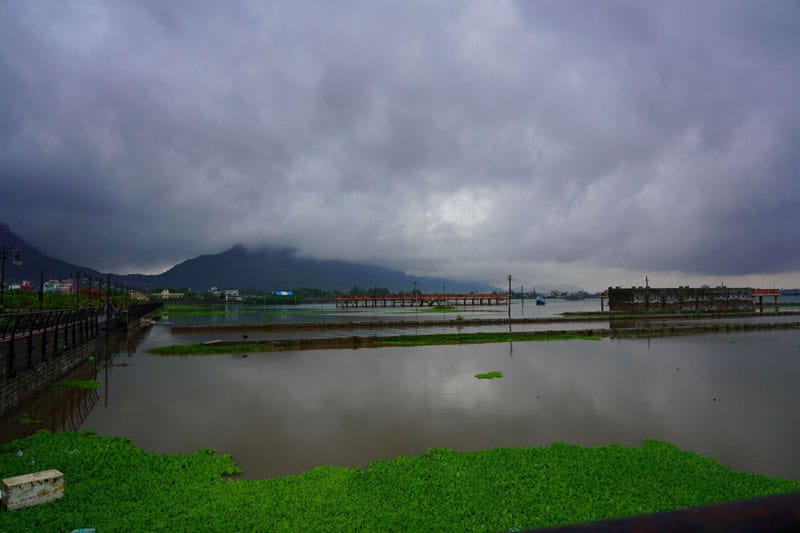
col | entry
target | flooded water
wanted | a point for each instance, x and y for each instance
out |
(732, 396)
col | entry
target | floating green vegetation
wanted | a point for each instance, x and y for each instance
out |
(115, 486)
(78, 383)
(25, 418)
(490, 375)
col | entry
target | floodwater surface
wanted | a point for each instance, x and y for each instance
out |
(730, 396)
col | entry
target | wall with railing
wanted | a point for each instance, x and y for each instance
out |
(38, 348)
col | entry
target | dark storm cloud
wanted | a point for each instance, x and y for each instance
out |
(447, 138)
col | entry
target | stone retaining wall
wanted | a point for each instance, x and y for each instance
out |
(27, 382)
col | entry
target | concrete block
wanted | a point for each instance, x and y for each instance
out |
(32, 489)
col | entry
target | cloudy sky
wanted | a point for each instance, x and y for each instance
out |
(579, 142)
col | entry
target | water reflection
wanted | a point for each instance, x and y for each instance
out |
(66, 408)
(55, 409)
(285, 412)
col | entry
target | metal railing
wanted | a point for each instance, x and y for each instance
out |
(27, 339)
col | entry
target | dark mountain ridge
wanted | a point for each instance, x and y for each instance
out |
(239, 267)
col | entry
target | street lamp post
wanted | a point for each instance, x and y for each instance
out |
(78, 277)
(16, 260)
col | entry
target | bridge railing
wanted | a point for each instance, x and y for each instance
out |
(28, 339)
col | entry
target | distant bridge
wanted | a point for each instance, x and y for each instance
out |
(420, 300)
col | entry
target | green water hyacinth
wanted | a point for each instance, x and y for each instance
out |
(112, 485)
(490, 375)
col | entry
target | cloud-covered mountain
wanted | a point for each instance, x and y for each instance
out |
(238, 267)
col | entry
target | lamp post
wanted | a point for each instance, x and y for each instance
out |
(77, 276)
(16, 260)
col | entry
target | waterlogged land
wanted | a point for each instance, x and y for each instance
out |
(220, 347)
(115, 486)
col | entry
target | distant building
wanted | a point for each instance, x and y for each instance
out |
(166, 295)
(139, 296)
(650, 299)
(282, 293)
(55, 285)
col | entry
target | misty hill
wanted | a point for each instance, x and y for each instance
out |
(283, 268)
(35, 263)
(263, 269)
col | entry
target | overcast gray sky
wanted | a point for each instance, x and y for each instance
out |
(581, 142)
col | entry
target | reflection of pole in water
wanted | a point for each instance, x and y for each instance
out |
(105, 383)
(106, 360)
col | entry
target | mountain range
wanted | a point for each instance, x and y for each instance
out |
(248, 269)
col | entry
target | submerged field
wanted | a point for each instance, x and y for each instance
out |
(112, 485)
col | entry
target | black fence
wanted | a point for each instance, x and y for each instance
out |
(28, 339)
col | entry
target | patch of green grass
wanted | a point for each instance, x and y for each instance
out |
(112, 485)
(209, 349)
(490, 375)
(25, 418)
(78, 383)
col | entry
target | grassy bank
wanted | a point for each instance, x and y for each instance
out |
(112, 485)
(361, 342)
(78, 384)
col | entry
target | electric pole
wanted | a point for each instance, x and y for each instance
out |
(509, 297)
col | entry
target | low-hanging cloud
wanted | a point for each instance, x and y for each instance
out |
(463, 139)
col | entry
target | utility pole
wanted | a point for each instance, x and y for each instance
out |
(522, 295)
(108, 301)
(509, 297)
(416, 304)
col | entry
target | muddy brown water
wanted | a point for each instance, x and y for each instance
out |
(731, 396)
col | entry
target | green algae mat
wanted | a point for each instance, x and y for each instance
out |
(112, 485)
